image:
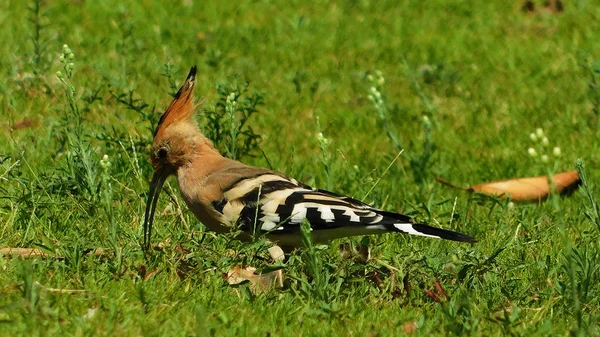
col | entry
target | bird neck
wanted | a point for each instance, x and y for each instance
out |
(204, 161)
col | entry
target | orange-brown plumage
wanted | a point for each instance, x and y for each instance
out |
(182, 106)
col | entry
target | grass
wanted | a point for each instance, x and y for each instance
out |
(484, 74)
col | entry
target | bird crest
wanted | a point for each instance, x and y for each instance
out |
(182, 106)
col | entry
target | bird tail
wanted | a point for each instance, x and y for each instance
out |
(394, 222)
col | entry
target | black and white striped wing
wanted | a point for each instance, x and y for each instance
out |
(278, 205)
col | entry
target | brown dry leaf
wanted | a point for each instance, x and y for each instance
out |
(23, 252)
(525, 189)
(24, 124)
(438, 294)
(432, 295)
(410, 327)
(144, 273)
(258, 282)
(441, 290)
(59, 290)
(36, 252)
(150, 274)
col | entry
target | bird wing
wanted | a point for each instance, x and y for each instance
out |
(270, 202)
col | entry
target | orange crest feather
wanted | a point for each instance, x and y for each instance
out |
(182, 107)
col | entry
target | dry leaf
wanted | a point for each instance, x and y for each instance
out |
(432, 295)
(525, 189)
(258, 282)
(59, 290)
(439, 290)
(150, 274)
(24, 124)
(36, 252)
(145, 274)
(23, 252)
(410, 327)
(277, 254)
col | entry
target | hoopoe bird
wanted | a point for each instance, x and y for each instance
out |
(227, 195)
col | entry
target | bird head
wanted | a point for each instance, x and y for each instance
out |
(176, 139)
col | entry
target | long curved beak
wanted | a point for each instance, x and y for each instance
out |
(158, 179)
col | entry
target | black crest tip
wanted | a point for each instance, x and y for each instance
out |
(192, 73)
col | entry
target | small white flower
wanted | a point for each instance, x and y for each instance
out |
(539, 132)
(104, 162)
(545, 141)
(426, 121)
(556, 151)
(356, 168)
(511, 205)
(533, 137)
(544, 158)
(370, 78)
(381, 80)
(374, 90)
(531, 151)
(324, 141)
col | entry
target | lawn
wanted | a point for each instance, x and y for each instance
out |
(373, 99)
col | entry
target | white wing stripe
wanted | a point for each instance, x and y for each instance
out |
(352, 215)
(298, 213)
(408, 228)
(232, 210)
(269, 222)
(326, 213)
(246, 186)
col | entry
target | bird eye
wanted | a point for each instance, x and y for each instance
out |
(162, 153)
